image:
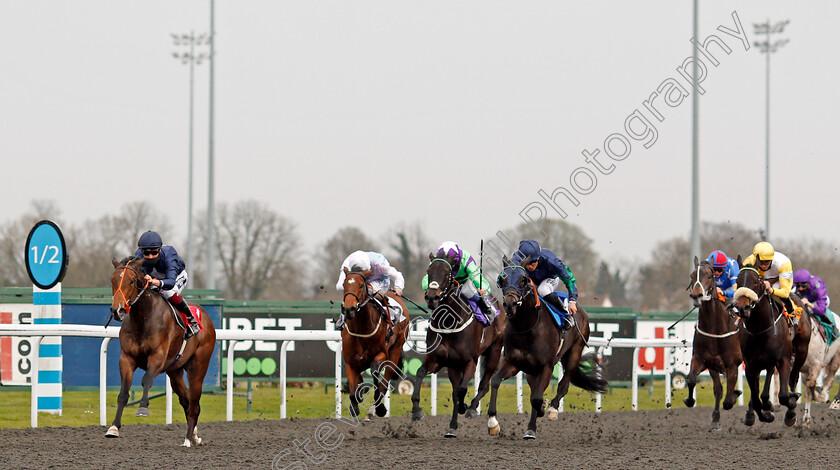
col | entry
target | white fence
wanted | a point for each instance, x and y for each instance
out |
(38, 332)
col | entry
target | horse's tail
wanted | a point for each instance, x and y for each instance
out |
(589, 374)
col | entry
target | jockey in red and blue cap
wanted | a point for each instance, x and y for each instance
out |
(726, 273)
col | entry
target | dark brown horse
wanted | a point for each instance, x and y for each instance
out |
(716, 344)
(365, 343)
(456, 340)
(151, 340)
(534, 344)
(766, 344)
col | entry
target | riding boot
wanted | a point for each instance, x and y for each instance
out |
(192, 325)
(794, 318)
(568, 319)
(484, 303)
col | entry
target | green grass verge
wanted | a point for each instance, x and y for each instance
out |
(81, 408)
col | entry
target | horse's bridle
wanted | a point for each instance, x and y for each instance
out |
(706, 296)
(753, 303)
(519, 297)
(359, 302)
(451, 283)
(128, 302)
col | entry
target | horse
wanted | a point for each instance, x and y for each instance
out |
(365, 342)
(716, 344)
(821, 358)
(533, 343)
(458, 342)
(152, 340)
(767, 344)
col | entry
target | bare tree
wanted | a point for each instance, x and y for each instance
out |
(257, 251)
(331, 254)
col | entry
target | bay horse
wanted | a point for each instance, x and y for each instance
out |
(365, 343)
(767, 344)
(821, 358)
(533, 343)
(151, 339)
(458, 339)
(716, 344)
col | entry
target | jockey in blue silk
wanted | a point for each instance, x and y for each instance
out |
(473, 285)
(546, 270)
(726, 272)
(167, 273)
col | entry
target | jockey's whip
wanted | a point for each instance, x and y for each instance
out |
(681, 319)
(481, 264)
(413, 302)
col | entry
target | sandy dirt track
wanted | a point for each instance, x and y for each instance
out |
(677, 438)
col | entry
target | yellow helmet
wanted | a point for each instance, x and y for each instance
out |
(763, 251)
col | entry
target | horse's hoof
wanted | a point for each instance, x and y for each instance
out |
(142, 411)
(417, 415)
(198, 441)
(766, 416)
(790, 418)
(471, 413)
(749, 420)
(381, 411)
(737, 393)
(186, 443)
(493, 426)
(462, 408)
(529, 435)
(112, 432)
(716, 426)
(450, 433)
(553, 414)
(689, 402)
(835, 405)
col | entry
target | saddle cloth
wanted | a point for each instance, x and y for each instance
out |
(556, 315)
(479, 315)
(394, 309)
(181, 319)
(828, 327)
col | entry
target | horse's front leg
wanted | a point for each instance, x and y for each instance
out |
(538, 384)
(787, 397)
(354, 381)
(127, 368)
(763, 406)
(755, 402)
(457, 379)
(718, 389)
(505, 371)
(430, 366)
(489, 363)
(697, 367)
(731, 381)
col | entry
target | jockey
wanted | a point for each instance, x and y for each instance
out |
(465, 269)
(813, 292)
(777, 271)
(546, 270)
(726, 272)
(382, 273)
(166, 272)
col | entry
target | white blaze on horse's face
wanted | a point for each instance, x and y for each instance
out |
(351, 281)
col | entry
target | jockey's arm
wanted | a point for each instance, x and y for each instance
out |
(396, 276)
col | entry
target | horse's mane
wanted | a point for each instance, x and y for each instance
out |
(129, 259)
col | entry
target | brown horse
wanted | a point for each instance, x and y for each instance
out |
(457, 341)
(151, 340)
(716, 344)
(767, 344)
(533, 344)
(365, 343)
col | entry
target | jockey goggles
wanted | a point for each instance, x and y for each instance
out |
(151, 251)
(803, 285)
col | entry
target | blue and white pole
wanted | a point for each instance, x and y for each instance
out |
(46, 263)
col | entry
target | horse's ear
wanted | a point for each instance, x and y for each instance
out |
(740, 262)
(696, 262)
(346, 271)
(505, 261)
(431, 256)
(115, 262)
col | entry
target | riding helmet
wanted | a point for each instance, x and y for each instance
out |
(803, 275)
(718, 259)
(530, 250)
(763, 251)
(150, 239)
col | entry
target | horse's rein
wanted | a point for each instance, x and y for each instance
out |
(128, 303)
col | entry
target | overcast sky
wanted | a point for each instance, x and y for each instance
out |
(453, 114)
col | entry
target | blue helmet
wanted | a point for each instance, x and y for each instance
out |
(530, 250)
(150, 240)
